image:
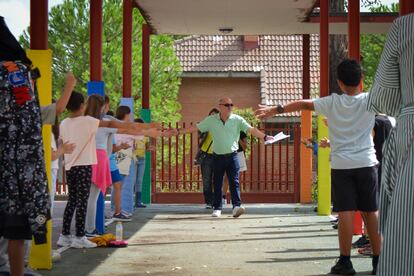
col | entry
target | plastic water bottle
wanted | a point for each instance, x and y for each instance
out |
(119, 231)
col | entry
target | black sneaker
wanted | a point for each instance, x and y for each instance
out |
(374, 265)
(343, 268)
(121, 217)
(361, 242)
(140, 205)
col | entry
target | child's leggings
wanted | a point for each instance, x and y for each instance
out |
(79, 182)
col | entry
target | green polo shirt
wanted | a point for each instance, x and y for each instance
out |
(225, 135)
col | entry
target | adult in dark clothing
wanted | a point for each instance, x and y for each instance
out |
(24, 199)
(382, 129)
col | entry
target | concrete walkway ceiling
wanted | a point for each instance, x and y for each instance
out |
(243, 17)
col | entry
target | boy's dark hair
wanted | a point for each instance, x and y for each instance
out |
(139, 120)
(75, 101)
(350, 72)
(122, 111)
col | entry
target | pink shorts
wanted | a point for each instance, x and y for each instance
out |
(101, 173)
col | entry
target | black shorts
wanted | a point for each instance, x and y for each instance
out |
(15, 227)
(355, 189)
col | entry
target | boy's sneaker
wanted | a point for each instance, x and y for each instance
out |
(64, 240)
(121, 217)
(216, 213)
(92, 234)
(374, 264)
(343, 268)
(238, 211)
(82, 242)
(361, 242)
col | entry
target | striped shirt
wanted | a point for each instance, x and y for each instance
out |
(393, 94)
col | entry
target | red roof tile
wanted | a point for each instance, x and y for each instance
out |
(278, 59)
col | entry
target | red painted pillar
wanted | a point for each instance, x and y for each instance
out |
(146, 32)
(38, 24)
(127, 50)
(306, 127)
(324, 48)
(306, 66)
(354, 52)
(406, 7)
(95, 38)
(324, 172)
(354, 29)
(96, 84)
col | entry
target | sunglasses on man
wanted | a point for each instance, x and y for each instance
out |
(228, 105)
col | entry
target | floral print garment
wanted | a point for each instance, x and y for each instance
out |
(23, 181)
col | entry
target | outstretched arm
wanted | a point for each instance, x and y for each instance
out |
(186, 130)
(265, 112)
(128, 125)
(70, 82)
(257, 133)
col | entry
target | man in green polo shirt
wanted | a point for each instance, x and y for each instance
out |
(225, 129)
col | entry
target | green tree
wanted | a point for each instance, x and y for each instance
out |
(248, 115)
(69, 41)
(338, 43)
(371, 48)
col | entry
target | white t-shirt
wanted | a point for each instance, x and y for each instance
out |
(102, 136)
(81, 131)
(350, 130)
(55, 163)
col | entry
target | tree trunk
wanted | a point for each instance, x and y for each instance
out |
(338, 49)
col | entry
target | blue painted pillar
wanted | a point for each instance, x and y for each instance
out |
(98, 87)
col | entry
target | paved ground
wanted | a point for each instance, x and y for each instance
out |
(271, 239)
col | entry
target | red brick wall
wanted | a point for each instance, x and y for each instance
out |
(198, 95)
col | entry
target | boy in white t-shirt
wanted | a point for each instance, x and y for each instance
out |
(353, 160)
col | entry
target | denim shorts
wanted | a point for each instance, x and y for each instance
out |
(116, 176)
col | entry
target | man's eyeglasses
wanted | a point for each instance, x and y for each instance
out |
(228, 105)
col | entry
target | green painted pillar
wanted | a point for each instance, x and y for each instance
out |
(324, 172)
(146, 183)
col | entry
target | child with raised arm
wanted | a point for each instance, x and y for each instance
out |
(81, 130)
(354, 164)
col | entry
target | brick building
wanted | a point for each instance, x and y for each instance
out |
(251, 70)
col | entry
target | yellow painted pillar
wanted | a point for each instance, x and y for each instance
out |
(306, 159)
(324, 172)
(41, 255)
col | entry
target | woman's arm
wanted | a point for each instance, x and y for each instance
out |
(62, 149)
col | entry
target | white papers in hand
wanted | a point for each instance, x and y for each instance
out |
(276, 138)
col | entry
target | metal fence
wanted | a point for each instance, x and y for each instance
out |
(272, 175)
